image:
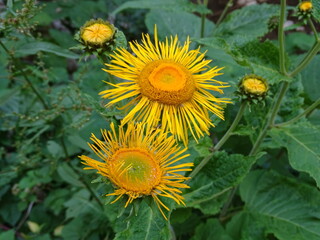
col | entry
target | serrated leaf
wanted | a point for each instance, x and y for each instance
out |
(282, 206)
(247, 24)
(316, 9)
(302, 142)
(35, 47)
(220, 174)
(178, 5)
(148, 223)
(178, 23)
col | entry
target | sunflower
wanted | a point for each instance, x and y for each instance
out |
(140, 165)
(169, 84)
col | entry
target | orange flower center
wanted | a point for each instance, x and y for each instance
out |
(135, 170)
(167, 82)
(255, 86)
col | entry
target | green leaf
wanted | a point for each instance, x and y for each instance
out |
(220, 174)
(182, 24)
(316, 9)
(148, 223)
(211, 229)
(35, 47)
(7, 235)
(80, 204)
(302, 142)
(178, 5)
(69, 175)
(310, 78)
(246, 24)
(280, 206)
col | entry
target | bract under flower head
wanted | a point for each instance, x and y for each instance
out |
(140, 164)
(171, 86)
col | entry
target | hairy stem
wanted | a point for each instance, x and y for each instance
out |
(281, 37)
(224, 12)
(315, 32)
(16, 63)
(305, 113)
(222, 140)
(203, 20)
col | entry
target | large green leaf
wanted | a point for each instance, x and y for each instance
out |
(310, 79)
(261, 58)
(180, 23)
(147, 223)
(277, 205)
(178, 5)
(220, 174)
(302, 142)
(34, 47)
(247, 24)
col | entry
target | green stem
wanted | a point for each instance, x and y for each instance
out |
(221, 142)
(224, 12)
(270, 118)
(281, 37)
(24, 75)
(232, 127)
(310, 55)
(228, 203)
(203, 20)
(306, 112)
(315, 32)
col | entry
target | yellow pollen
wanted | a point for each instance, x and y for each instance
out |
(305, 6)
(167, 82)
(255, 86)
(97, 33)
(135, 170)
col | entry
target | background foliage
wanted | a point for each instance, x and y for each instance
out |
(49, 106)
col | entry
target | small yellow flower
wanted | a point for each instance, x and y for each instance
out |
(140, 165)
(171, 86)
(254, 85)
(97, 32)
(305, 6)
(253, 88)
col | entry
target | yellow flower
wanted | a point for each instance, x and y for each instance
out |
(97, 32)
(305, 6)
(140, 165)
(254, 85)
(170, 85)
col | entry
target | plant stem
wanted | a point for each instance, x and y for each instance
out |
(270, 118)
(313, 51)
(224, 12)
(16, 63)
(232, 127)
(315, 32)
(203, 20)
(281, 37)
(227, 204)
(306, 112)
(222, 140)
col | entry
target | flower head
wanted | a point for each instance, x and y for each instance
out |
(305, 6)
(139, 165)
(170, 85)
(97, 32)
(253, 88)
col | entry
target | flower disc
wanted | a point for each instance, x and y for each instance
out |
(135, 170)
(167, 82)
